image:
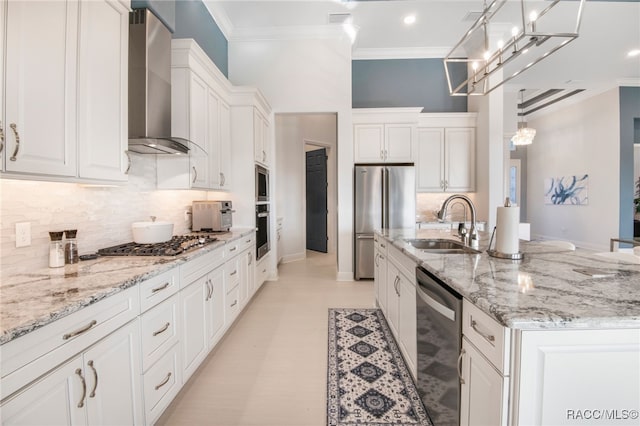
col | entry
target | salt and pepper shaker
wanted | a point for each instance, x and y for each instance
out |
(56, 250)
(71, 246)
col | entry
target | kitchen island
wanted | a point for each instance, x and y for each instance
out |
(542, 343)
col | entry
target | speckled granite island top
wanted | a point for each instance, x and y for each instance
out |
(34, 299)
(542, 291)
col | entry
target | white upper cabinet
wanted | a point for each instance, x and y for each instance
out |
(102, 90)
(261, 139)
(446, 153)
(384, 135)
(66, 89)
(388, 143)
(40, 96)
(199, 113)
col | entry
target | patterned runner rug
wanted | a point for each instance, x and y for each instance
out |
(368, 382)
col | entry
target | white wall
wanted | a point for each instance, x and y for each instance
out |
(307, 75)
(292, 130)
(581, 138)
(102, 215)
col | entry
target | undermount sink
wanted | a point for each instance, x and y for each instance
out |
(442, 246)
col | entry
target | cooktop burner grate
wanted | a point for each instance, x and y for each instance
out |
(177, 245)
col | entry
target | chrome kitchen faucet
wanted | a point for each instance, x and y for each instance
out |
(470, 239)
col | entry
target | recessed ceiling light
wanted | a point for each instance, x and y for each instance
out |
(633, 53)
(409, 19)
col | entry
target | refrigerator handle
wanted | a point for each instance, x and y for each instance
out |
(385, 198)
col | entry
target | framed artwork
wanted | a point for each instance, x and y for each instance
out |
(567, 190)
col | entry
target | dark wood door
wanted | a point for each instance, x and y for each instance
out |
(317, 200)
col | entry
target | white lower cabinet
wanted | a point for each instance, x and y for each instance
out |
(484, 390)
(101, 386)
(162, 382)
(193, 304)
(396, 294)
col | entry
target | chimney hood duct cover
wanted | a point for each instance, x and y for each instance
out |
(150, 88)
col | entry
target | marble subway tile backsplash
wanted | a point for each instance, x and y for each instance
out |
(102, 215)
(427, 204)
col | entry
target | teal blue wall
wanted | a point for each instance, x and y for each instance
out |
(191, 19)
(404, 83)
(629, 115)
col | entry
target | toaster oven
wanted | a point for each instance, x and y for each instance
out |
(212, 216)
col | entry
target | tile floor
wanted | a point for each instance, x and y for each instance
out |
(270, 369)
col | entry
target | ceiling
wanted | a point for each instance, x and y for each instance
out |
(596, 60)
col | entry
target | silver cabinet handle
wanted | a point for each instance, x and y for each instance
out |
(15, 132)
(375, 259)
(164, 382)
(79, 331)
(1, 137)
(250, 258)
(209, 290)
(491, 338)
(162, 330)
(162, 287)
(84, 388)
(462, 352)
(235, 302)
(195, 174)
(382, 245)
(248, 241)
(446, 184)
(264, 156)
(126, 172)
(235, 271)
(95, 379)
(223, 180)
(395, 285)
(233, 248)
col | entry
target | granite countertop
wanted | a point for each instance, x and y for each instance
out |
(540, 292)
(34, 299)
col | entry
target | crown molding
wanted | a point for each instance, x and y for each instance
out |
(401, 53)
(220, 17)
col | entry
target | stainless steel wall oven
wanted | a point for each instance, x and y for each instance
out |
(262, 184)
(262, 230)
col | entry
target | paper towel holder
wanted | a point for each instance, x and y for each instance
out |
(500, 255)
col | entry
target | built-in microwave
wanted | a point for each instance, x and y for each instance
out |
(262, 184)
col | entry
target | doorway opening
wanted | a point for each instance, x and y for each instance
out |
(296, 135)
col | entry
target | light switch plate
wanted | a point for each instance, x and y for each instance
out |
(23, 234)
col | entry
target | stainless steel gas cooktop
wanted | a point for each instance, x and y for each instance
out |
(177, 245)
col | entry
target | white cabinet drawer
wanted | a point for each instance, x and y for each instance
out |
(195, 268)
(232, 274)
(232, 248)
(381, 244)
(232, 308)
(158, 288)
(32, 355)
(161, 384)
(491, 338)
(403, 262)
(159, 330)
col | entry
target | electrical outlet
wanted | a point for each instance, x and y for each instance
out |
(23, 234)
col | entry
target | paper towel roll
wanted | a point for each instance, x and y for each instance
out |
(507, 230)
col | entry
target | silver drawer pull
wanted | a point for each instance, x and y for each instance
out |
(79, 331)
(95, 379)
(15, 132)
(233, 248)
(462, 352)
(235, 271)
(235, 302)
(489, 337)
(1, 137)
(162, 330)
(84, 388)
(126, 172)
(248, 241)
(162, 287)
(195, 174)
(164, 382)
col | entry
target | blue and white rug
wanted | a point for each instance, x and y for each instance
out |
(368, 382)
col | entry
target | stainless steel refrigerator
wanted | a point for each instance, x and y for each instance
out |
(384, 197)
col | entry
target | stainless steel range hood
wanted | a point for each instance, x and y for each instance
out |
(150, 88)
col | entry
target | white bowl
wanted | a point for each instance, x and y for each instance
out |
(151, 232)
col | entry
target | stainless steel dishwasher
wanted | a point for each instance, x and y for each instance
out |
(439, 324)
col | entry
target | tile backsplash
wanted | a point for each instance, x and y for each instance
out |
(102, 215)
(427, 204)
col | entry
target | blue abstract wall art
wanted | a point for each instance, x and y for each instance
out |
(567, 190)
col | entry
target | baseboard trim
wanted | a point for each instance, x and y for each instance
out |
(294, 257)
(344, 276)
